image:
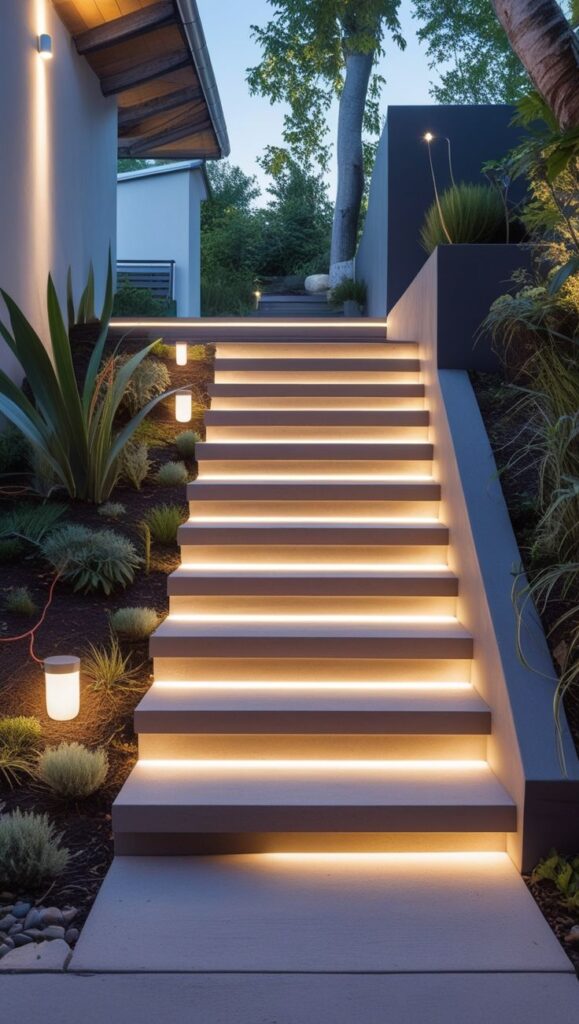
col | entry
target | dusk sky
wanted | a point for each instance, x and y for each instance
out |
(251, 121)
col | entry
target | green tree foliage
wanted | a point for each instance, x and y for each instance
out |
(469, 49)
(304, 49)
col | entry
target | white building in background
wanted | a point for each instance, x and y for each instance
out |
(159, 230)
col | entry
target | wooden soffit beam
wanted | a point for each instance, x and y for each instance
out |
(119, 30)
(163, 138)
(139, 112)
(144, 72)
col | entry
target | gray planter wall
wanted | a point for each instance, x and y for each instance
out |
(390, 255)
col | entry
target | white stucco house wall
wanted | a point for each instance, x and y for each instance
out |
(114, 79)
(159, 220)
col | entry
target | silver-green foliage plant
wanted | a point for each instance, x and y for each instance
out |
(186, 442)
(150, 379)
(163, 522)
(464, 213)
(108, 669)
(18, 600)
(135, 463)
(72, 771)
(172, 474)
(19, 739)
(71, 426)
(93, 559)
(30, 850)
(112, 510)
(31, 523)
(134, 623)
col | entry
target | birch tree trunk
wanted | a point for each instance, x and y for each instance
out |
(350, 164)
(547, 46)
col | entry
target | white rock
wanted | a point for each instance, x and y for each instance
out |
(37, 956)
(317, 283)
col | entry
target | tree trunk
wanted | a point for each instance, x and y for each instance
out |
(350, 164)
(548, 48)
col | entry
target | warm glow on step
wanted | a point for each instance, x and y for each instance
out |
(352, 478)
(258, 618)
(309, 568)
(474, 859)
(287, 764)
(328, 687)
(325, 520)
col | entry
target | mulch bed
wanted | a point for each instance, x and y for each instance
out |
(72, 623)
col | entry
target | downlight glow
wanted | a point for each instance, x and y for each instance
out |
(314, 520)
(307, 568)
(328, 687)
(257, 618)
(352, 478)
(235, 765)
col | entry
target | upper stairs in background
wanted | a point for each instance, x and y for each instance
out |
(305, 306)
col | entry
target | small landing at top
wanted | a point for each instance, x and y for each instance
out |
(305, 306)
(318, 913)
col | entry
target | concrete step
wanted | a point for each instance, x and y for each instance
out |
(264, 489)
(306, 710)
(244, 799)
(317, 418)
(366, 637)
(301, 581)
(372, 349)
(312, 532)
(313, 391)
(278, 451)
(335, 364)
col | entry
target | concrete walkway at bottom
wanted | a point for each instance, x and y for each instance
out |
(308, 939)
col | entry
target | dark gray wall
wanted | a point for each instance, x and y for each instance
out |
(390, 255)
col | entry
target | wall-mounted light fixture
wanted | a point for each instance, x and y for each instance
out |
(181, 353)
(183, 406)
(62, 686)
(44, 44)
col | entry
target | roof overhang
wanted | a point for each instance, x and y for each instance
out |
(155, 61)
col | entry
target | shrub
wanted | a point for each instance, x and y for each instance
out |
(107, 668)
(71, 426)
(471, 213)
(112, 510)
(132, 301)
(19, 737)
(30, 850)
(10, 549)
(134, 623)
(228, 295)
(29, 522)
(19, 601)
(151, 378)
(172, 474)
(93, 559)
(348, 290)
(135, 463)
(73, 771)
(163, 522)
(186, 442)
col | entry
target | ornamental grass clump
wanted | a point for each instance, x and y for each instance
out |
(108, 670)
(172, 474)
(151, 378)
(19, 740)
(464, 213)
(163, 522)
(134, 623)
(112, 510)
(30, 850)
(185, 443)
(72, 427)
(18, 600)
(93, 560)
(72, 771)
(29, 523)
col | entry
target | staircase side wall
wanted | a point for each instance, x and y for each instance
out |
(522, 749)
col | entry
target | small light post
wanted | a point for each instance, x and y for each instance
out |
(183, 406)
(62, 687)
(181, 353)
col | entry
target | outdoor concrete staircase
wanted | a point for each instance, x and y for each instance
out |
(312, 680)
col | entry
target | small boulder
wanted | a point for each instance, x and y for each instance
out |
(37, 956)
(51, 915)
(316, 283)
(54, 931)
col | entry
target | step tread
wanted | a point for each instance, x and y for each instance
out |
(316, 489)
(381, 364)
(303, 786)
(313, 531)
(190, 627)
(299, 451)
(317, 417)
(318, 389)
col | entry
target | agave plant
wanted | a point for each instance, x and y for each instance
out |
(70, 427)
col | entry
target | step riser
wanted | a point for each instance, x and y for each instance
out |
(301, 389)
(298, 469)
(365, 746)
(315, 433)
(310, 509)
(342, 589)
(350, 495)
(308, 605)
(304, 555)
(329, 364)
(222, 818)
(271, 647)
(317, 402)
(158, 845)
(289, 670)
(362, 452)
(325, 535)
(317, 417)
